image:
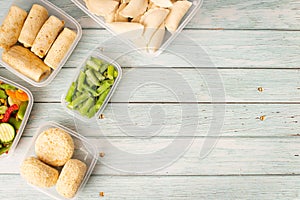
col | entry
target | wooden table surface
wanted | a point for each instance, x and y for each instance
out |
(251, 44)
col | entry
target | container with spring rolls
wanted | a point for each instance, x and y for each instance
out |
(146, 26)
(45, 38)
(92, 87)
(15, 106)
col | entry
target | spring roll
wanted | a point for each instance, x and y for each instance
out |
(35, 20)
(12, 26)
(47, 36)
(24, 61)
(60, 48)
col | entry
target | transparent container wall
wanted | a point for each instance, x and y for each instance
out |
(26, 116)
(84, 151)
(95, 53)
(70, 22)
(168, 38)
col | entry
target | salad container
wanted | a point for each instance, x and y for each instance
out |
(95, 54)
(168, 38)
(70, 23)
(83, 151)
(21, 128)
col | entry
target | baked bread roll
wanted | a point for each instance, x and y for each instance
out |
(38, 173)
(70, 178)
(35, 20)
(12, 26)
(47, 36)
(60, 48)
(24, 61)
(54, 147)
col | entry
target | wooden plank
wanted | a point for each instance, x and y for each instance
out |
(121, 120)
(186, 85)
(202, 48)
(232, 14)
(230, 156)
(168, 187)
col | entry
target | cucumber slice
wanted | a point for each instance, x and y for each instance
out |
(7, 133)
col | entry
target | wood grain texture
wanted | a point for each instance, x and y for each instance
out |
(161, 188)
(121, 120)
(222, 49)
(250, 44)
(230, 156)
(233, 14)
(202, 49)
(186, 85)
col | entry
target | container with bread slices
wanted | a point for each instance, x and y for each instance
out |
(148, 26)
(15, 106)
(59, 161)
(36, 40)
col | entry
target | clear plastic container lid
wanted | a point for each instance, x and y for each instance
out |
(84, 151)
(168, 38)
(95, 53)
(70, 23)
(25, 119)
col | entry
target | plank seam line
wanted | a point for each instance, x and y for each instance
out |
(181, 176)
(192, 103)
(190, 137)
(199, 68)
(217, 29)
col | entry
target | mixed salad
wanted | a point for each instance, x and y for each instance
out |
(13, 105)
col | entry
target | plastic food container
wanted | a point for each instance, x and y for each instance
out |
(168, 36)
(95, 53)
(84, 151)
(25, 119)
(70, 22)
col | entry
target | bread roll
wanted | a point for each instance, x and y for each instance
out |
(24, 61)
(38, 173)
(12, 26)
(35, 20)
(70, 178)
(60, 48)
(54, 147)
(47, 36)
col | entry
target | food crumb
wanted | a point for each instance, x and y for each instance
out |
(101, 194)
(260, 89)
(101, 116)
(101, 154)
(262, 118)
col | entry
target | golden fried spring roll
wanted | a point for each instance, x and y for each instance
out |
(60, 48)
(35, 20)
(47, 36)
(24, 61)
(12, 26)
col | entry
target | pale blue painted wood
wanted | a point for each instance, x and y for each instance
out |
(255, 158)
(240, 85)
(190, 187)
(230, 156)
(241, 120)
